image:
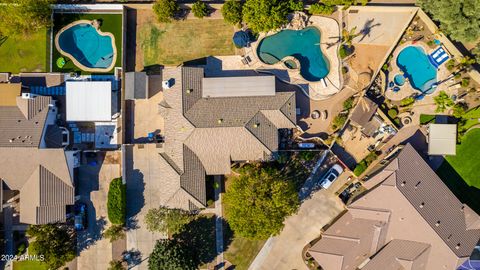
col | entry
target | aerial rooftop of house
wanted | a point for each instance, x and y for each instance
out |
(408, 218)
(203, 135)
(43, 176)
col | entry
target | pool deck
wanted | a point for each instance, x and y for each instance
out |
(314, 90)
(74, 60)
(407, 90)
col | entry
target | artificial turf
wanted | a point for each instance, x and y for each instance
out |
(25, 53)
(111, 23)
(460, 172)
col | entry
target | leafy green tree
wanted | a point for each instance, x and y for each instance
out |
(24, 16)
(459, 19)
(258, 201)
(200, 9)
(265, 15)
(171, 255)
(56, 242)
(348, 36)
(459, 110)
(296, 5)
(443, 101)
(117, 202)
(318, 8)
(476, 53)
(232, 11)
(114, 232)
(348, 103)
(338, 121)
(165, 10)
(166, 220)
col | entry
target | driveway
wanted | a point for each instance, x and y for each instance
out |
(95, 252)
(143, 191)
(285, 250)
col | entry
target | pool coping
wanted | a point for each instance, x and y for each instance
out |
(74, 60)
(314, 90)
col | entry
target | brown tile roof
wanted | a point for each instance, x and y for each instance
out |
(422, 212)
(400, 254)
(44, 182)
(435, 202)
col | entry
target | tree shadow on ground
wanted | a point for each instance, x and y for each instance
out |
(465, 193)
(199, 237)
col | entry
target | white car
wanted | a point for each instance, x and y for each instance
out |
(331, 176)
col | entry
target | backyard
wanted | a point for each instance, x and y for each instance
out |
(111, 23)
(180, 41)
(25, 53)
(241, 252)
(459, 172)
(29, 265)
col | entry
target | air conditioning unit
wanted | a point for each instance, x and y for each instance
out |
(28, 95)
(166, 84)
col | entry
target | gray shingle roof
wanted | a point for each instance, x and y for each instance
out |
(264, 130)
(193, 178)
(364, 111)
(53, 136)
(136, 85)
(22, 125)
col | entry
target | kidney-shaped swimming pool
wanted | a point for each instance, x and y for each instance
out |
(304, 45)
(422, 75)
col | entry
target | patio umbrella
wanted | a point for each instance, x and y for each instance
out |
(241, 39)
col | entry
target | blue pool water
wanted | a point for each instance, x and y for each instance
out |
(399, 79)
(422, 75)
(88, 47)
(303, 45)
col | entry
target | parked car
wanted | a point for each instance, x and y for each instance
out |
(331, 176)
(80, 216)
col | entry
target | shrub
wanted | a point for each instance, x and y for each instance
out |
(459, 110)
(117, 202)
(296, 5)
(265, 15)
(114, 232)
(430, 43)
(443, 101)
(321, 9)
(166, 220)
(344, 51)
(392, 113)
(348, 103)
(344, 70)
(199, 9)
(360, 168)
(407, 101)
(165, 10)
(426, 118)
(232, 11)
(465, 82)
(115, 265)
(450, 64)
(385, 67)
(21, 249)
(339, 121)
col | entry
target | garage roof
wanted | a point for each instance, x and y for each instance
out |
(89, 101)
(442, 139)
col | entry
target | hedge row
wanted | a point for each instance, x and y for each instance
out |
(117, 201)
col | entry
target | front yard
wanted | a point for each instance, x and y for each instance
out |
(180, 41)
(25, 53)
(460, 172)
(29, 265)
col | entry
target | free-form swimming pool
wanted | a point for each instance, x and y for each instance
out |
(304, 45)
(422, 75)
(87, 46)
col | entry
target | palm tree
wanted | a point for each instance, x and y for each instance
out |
(348, 36)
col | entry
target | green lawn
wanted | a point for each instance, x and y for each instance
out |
(241, 252)
(460, 172)
(472, 118)
(111, 23)
(27, 53)
(29, 265)
(180, 41)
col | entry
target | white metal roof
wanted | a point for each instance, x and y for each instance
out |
(89, 101)
(238, 86)
(442, 139)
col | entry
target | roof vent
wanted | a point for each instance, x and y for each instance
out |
(11, 140)
(403, 183)
(220, 120)
(457, 246)
(189, 91)
(19, 120)
(448, 238)
(256, 125)
(416, 186)
(422, 205)
(438, 223)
